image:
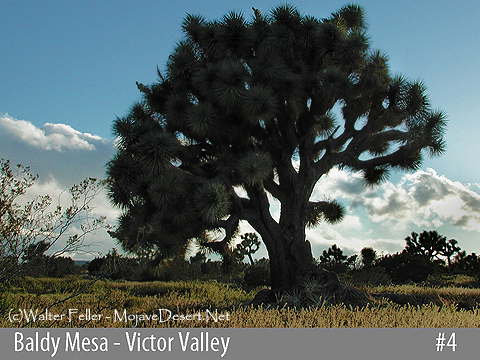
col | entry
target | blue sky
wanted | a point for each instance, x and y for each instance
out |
(68, 68)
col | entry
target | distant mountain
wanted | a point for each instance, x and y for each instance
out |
(81, 262)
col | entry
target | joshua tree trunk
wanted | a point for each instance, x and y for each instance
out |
(289, 252)
(289, 261)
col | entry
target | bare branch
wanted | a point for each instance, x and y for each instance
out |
(24, 227)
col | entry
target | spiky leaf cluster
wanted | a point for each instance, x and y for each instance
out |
(240, 99)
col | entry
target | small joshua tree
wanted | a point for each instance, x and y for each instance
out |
(430, 245)
(249, 245)
(334, 259)
(368, 256)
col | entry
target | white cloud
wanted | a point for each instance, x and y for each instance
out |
(382, 216)
(60, 195)
(423, 198)
(325, 236)
(56, 137)
(55, 150)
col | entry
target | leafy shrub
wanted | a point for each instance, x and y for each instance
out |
(258, 274)
(50, 266)
(29, 228)
(61, 266)
(211, 268)
(368, 256)
(199, 257)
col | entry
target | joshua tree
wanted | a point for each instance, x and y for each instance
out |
(334, 259)
(245, 112)
(449, 250)
(430, 244)
(249, 245)
(368, 256)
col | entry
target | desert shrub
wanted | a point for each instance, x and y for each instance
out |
(199, 257)
(49, 266)
(211, 268)
(28, 229)
(61, 266)
(162, 272)
(174, 269)
(258, 274)
(127, 270)
(177, 269)
(406, 267)
(373, 275)
(95, 266)
(148, 272)
(114, 266)
(468, 264)
(8, 265)
(368, 256)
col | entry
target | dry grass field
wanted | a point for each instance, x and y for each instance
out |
(41, 302)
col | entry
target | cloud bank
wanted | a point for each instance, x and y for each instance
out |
(380, 217)
(56, 137)
(423, 198)
(55, 150)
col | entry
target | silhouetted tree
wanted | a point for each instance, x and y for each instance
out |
(334, 259)
(60, 266)
(35, 250)
(470, 264)
(198, 258)
(114, 266)
(249, 245)
(430, 245)
(449, 250)
(406, 267)
(36, 263)
(244, 111)
(368, 256)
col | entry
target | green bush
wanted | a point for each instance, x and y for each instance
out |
(334, 260)
(61, 266)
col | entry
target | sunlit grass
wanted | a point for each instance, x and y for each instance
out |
(191, 297)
